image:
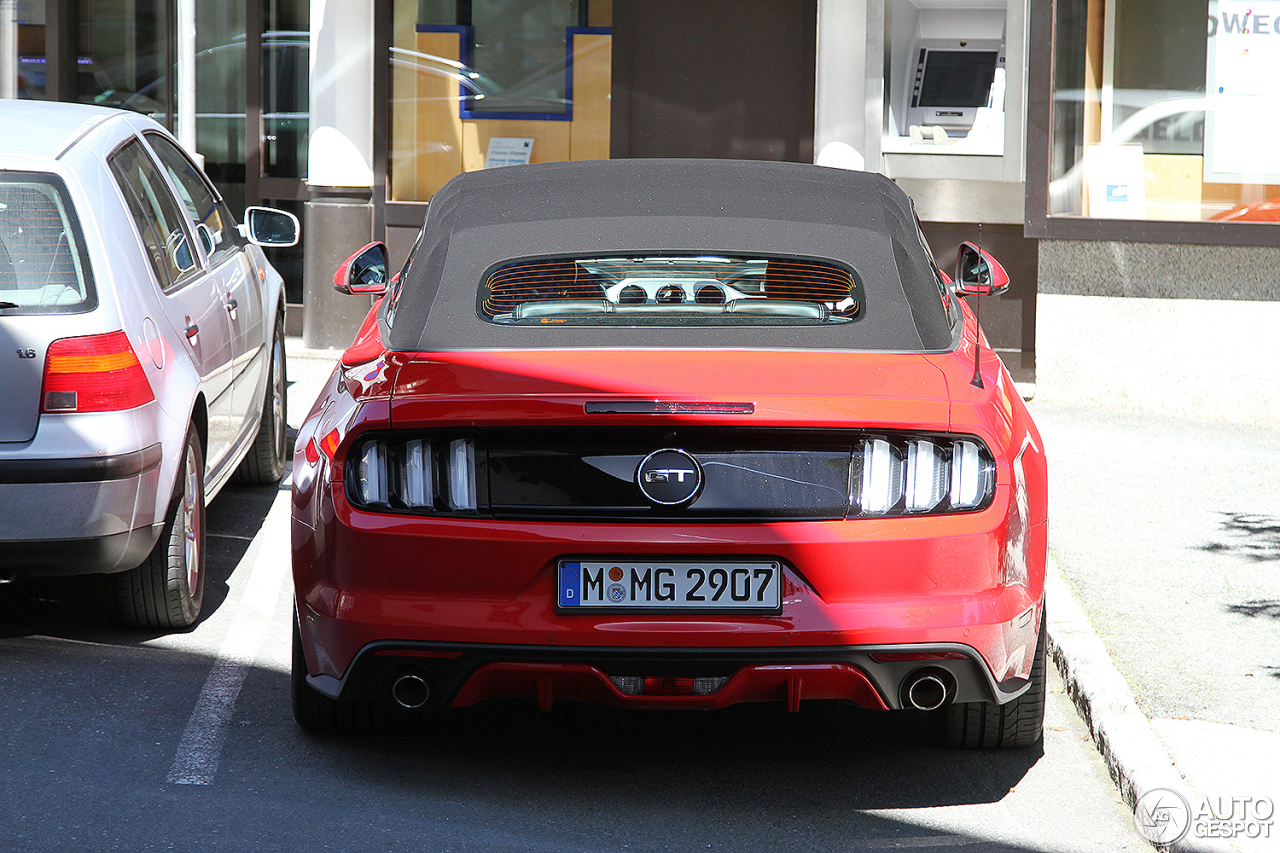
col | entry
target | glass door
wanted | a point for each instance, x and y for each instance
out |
(280, 129)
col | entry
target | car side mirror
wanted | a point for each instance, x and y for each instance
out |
(207, 239)
(266, 226)
(978, 273)
(180, 254)
(365, 272)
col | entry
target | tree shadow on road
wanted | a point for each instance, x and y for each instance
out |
(1257, 607)
(1249, 535)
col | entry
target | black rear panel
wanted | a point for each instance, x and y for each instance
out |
(593, 473)
(663, 473)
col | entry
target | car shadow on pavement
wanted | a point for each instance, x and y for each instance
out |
(231, 521)
(830, 755)
(83, 607)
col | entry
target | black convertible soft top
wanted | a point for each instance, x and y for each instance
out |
(482, 219)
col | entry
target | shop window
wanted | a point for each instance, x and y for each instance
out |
(1156, 110)
(479, 83)
(121, 56)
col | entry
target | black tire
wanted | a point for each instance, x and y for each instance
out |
(1013, 725)
(313, 711)
(264, 463)
(167, 589)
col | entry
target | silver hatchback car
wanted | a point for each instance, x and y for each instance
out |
(141, 354)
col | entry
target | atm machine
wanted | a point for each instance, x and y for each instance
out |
(953, 74)
(953, 136)
(953, 80)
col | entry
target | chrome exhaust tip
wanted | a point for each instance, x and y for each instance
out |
(410, 692)
(925, 690)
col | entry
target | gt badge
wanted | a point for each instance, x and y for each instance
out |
(669, 477)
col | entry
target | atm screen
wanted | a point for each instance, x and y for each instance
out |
(957, 78)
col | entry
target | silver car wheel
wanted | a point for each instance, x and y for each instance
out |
(167, 589)
(193, 521)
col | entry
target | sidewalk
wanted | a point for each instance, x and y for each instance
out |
(1166, 534)
(307, 370)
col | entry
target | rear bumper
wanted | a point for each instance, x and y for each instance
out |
(458, 675)
(469, 606)
(78, 515)
(117, 552)
(91, 469)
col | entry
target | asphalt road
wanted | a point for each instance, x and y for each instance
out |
(118, 740)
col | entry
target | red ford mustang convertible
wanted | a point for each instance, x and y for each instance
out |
(671, 434)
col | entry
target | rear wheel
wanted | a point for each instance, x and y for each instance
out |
(167, 589)
(984, 725)
(317, 713)
(264, 463)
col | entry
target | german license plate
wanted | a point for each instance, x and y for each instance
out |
(669, 585)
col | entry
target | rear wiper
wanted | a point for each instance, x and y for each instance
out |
(8, 305)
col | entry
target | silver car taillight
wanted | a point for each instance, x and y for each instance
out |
(417, 474)
(906, 476)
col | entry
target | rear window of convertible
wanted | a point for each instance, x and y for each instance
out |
(668, 289)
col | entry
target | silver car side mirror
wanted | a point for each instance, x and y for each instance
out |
(266, 226)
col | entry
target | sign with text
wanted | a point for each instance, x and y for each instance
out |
(507, 151)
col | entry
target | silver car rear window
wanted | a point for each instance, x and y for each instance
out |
(42, 263)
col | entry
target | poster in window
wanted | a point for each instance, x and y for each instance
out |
(1242, 101)
(1116, 181)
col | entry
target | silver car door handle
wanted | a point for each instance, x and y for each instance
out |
(192, 331)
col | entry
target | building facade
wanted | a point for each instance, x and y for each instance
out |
(1113, 153)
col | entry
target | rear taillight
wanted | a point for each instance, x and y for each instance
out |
(95, 373)
(424, 475)
(925, 475)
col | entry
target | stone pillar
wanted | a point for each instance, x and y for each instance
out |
(338, 218)
(848, 96)
(336, 222)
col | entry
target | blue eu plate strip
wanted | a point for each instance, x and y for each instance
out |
(570, 585)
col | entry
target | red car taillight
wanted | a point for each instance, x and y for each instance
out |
(902, 475)
(417, 474)
(95, 373)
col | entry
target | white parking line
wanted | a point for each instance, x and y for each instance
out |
(199, 751)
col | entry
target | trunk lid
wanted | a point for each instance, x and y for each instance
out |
(803, 389)
(21, 372)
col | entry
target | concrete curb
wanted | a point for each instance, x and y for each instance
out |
(1138, 760)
